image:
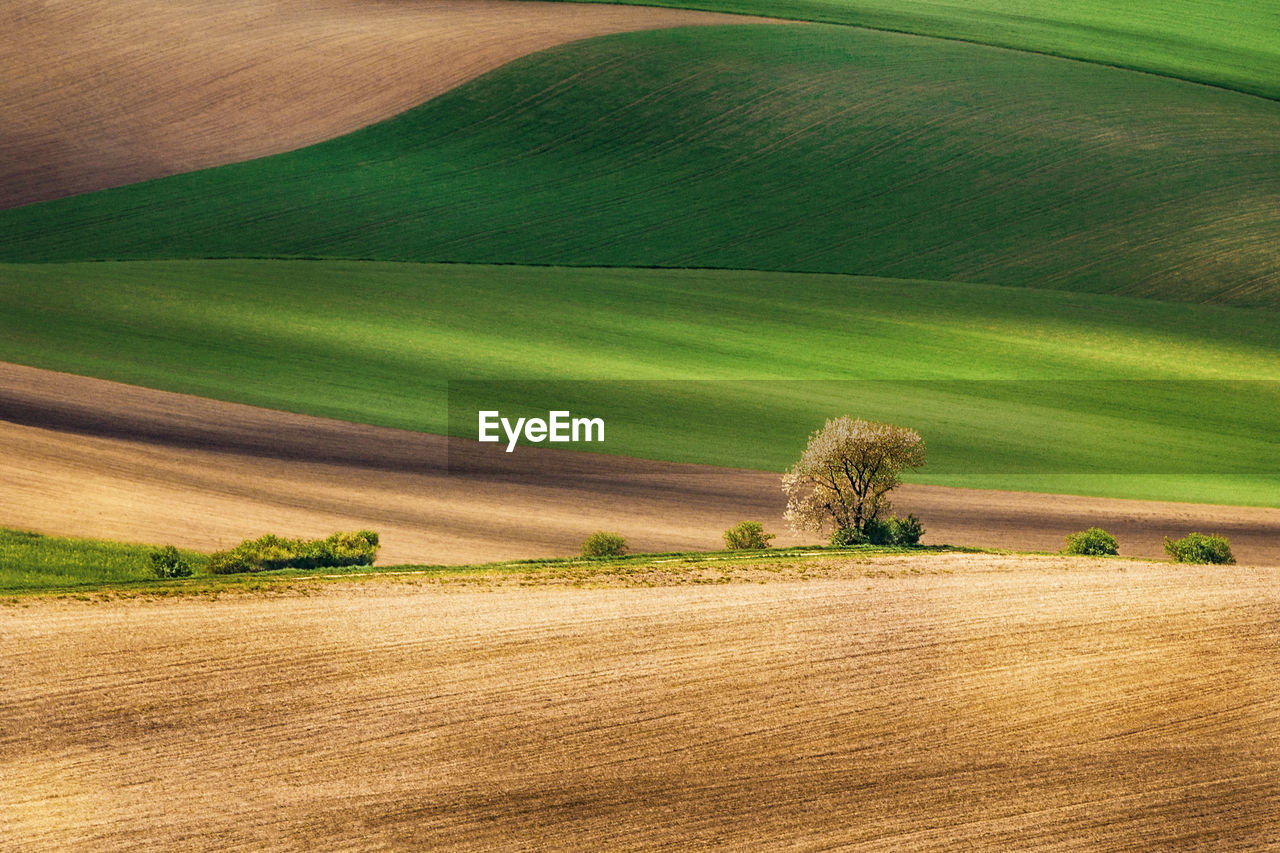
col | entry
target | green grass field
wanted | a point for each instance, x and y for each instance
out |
(1044, 390)
(31, 561)
(1040, 230)
(1223, 43)
(824, 149)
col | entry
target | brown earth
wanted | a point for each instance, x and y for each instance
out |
(101, 93)
(985, 703)
(86, 457)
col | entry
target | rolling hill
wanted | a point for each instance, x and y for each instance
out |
(715, 239)
(1019, 389)
(102, 93)
(816, 149)
(1219, 42)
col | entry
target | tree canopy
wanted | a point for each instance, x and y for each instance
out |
(847, 471)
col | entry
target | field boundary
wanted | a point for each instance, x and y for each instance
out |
(633, 570)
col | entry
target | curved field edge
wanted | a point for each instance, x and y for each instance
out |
(1027, 390)
(814, 149)
(111, 92)
(1215, 42)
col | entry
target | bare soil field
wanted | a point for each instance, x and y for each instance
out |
(946, 702)
(85, 457)
(108, 92)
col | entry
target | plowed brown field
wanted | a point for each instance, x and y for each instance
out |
(92, 458)
(986, 703)
(108, 92)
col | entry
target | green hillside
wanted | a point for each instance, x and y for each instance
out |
(818, 149)
(1220, 42)
(1032, 389)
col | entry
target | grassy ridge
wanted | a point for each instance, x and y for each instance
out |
(821, 149)
(1047, 403)
(1220, 42)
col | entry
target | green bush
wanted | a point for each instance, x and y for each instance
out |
(604, 544)
(747, 536)
(270, 552)
(169, 563)
(906, 531)
(848, 536)
(1200, 548)
(1094, 542)
(876, 531)
(230, 563)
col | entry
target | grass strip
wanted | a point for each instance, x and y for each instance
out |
(89, 569)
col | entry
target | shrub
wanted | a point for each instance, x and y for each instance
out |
(906, 531)
(875, 531)
(604, 544)
(747, 535)
(1094, 542)
(1200, 548)
(275, 552)
(168, 563)
(878, 531)
(230, 563)
(847, 536)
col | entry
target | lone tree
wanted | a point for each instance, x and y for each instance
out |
(846, 473)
